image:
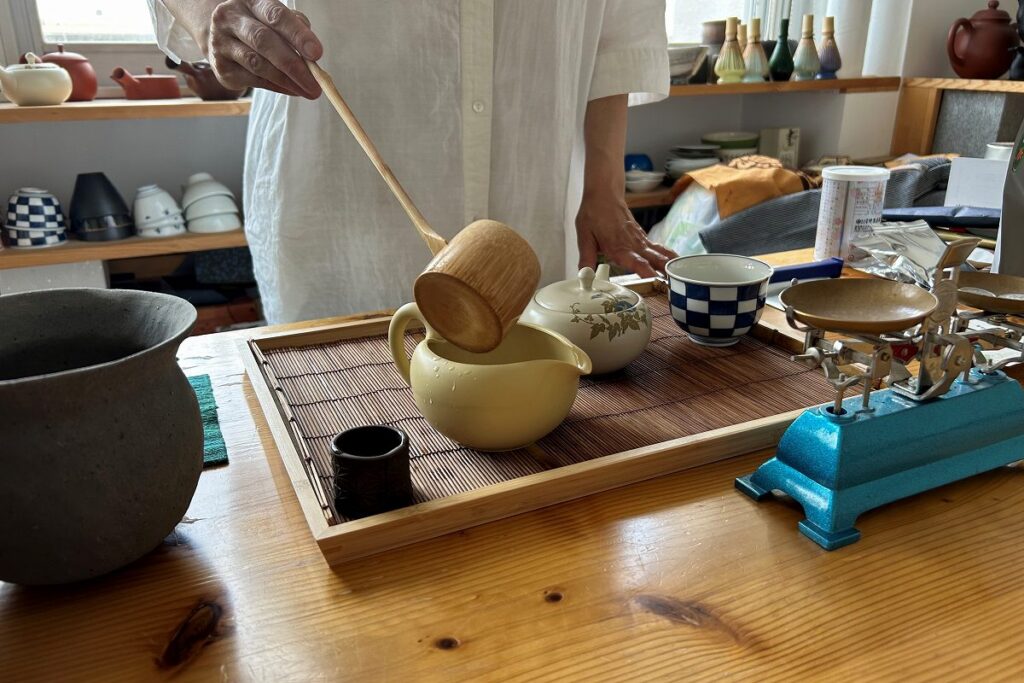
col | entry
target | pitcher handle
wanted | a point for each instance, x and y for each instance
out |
(961, 23)
(400, 321)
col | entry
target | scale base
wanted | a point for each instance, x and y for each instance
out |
(838, 467)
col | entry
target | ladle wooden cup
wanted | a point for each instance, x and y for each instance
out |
(475, 288)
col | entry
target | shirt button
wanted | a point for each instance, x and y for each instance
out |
(478, 107)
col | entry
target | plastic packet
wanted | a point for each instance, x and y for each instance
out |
(905, 252)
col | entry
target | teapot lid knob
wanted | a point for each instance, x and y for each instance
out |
(32, 58)
(993, 4)
(149, 71)
(60, 47)
(587, 279)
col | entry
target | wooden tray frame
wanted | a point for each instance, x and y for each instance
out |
(351, 540)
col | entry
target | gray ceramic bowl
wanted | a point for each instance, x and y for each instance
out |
(101, 442)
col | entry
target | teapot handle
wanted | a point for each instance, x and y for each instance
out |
(960, 23)
(396, 336)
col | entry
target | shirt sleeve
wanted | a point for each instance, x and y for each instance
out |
(171, 37)
(632, 54)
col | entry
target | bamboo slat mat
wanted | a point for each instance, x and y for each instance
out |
(676, 388)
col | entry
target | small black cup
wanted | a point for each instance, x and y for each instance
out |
(371, 471)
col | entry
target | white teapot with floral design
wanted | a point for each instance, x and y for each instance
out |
(611, 323)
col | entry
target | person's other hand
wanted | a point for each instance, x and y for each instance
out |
(605, 225)
(262, 44)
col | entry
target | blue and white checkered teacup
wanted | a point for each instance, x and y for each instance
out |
(33, 209)
(717, 298)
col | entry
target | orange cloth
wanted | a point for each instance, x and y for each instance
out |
(745, 182)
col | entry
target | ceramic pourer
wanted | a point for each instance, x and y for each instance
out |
(611, 323)
(831, 62)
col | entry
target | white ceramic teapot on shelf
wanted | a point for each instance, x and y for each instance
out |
(36, 83)
(611, 323)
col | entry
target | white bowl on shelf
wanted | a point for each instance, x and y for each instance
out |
(200, 186)
(211, 206)
(677, 167)
(644, 184)
(727, 155)
(171, 221)
(164, 231)
(153, 204)
(220, 222)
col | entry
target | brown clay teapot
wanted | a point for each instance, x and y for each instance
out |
(83, 77)
(200, 77)
(148, 87)
(984, 45)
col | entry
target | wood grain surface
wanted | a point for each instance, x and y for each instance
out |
(74, 251)
(677, 578)
(842, 85)
(119, 109)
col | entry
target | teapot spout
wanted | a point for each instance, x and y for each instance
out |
(582, 363)
(123, 78)
(182, 66)
(6, 80)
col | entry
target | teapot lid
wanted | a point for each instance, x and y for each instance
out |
(61, 56)
(993, 13)
(589, 292)
(33, 63)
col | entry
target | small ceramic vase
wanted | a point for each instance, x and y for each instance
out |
(806, 64)
(754, 57)
(780, 67)
(730, 67)
(831, 62)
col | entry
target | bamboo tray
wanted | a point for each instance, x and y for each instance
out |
(678, 406)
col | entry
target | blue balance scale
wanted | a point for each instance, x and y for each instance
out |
(955, 416)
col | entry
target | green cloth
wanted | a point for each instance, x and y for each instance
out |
(214, 450)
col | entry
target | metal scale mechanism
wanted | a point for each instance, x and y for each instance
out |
(953, 416)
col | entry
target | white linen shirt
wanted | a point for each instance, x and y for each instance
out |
(477, 106)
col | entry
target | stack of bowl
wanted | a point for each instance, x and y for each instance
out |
(156, 213)
(34, 219)
(98, 211)
(643, 181)
(734, 144)
(686, 158)
(209, 205)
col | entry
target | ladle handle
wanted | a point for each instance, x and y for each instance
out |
(434, 241)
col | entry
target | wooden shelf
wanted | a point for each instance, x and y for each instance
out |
(107, 110)
(842, 85)
(74, 251)
(647, 200)
(966, 84)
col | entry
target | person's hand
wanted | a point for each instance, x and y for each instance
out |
(605, 225)
(262, 44)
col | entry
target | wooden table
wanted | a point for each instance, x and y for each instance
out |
(678, 578)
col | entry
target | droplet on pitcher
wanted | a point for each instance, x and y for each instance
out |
(453, 386)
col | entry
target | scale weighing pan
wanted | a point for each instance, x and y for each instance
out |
(1000, 286)
(866, 306)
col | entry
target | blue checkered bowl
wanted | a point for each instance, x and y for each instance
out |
(27, 239)
(717, 298)
(33, 209)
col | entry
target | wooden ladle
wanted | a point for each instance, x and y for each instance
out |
(476, 287)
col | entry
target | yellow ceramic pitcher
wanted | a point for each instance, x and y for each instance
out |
(495, 401)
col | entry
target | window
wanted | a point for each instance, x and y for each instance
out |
(683, 18)
(95, 21)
